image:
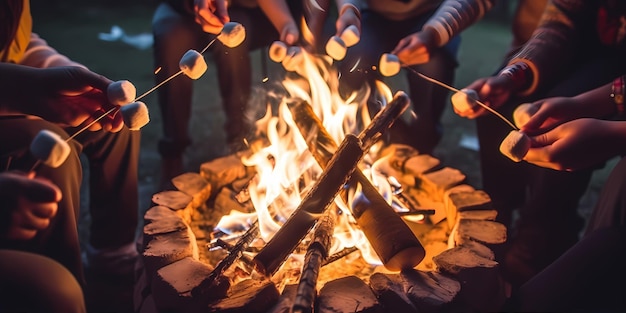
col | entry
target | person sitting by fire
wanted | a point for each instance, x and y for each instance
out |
(578, 46)
(41, 89)
(29, 206)
(180, 25)
(571, 134)
(425, 36)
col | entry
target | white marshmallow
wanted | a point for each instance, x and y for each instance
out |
(135, 115)
(293, 59)
(389, 64)
(278, 51)
(523, 113)
(193, 64)
(515, 145)
(232, 35)
(464, 100)
(336, 48)
(49, 148)
(351, 36)
(121, 92)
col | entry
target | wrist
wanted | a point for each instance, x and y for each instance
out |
(520, 75)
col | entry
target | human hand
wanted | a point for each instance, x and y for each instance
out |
(211, 15)
(492, 92)
(552, 112)
(415, 48)
(577, 144)
(29, 203)
(348, 15)
(73, 96)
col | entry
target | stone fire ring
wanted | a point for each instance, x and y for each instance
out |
(459, 272)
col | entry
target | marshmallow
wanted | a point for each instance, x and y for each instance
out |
(336, 48)
(121, 92)
(278, 51)
(465, 100)
(232, 35)
(135, 115)
(351, 36)
(293, 59)
(515, 145)
(389, 64)
(49, 148)
(523, 113)
(193, 64)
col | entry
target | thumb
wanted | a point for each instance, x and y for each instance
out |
(41, 190)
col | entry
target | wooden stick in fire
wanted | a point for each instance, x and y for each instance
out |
(316, 254)
(235, 253)
(390, 237)
(333, 178)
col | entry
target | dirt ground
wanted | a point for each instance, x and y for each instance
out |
(74, 31)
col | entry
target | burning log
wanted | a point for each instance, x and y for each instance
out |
(316, 254)
(376, 218)
(235, 253)
(335, 175)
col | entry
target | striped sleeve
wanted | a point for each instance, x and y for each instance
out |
(453, 16)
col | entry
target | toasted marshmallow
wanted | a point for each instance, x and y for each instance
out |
(49, 148)
(523, 113)
(515, 145)
(389, 64)
(232, 35)
(336, 48)
(277, 51)
(351, 36)
(193, 64)
(135, 115)
(464, 100)
(121, 92)
(293, 59)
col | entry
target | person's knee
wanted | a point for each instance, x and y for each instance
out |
(31, 276)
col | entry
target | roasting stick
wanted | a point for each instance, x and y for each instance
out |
(486, 107)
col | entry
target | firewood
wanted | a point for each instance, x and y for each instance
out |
(482, 287)
(178, 287)
(285, 302)
(376, 218)
(339, 170)
(446, 204)
(485, 215)
(390, 292)
(479, 249)
(316, 254)
(225, 201)
(485, 232)
(247, 296)
(347, 294)
(235, 253)
(430, 291)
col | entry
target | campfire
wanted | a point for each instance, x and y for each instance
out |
(321, 215)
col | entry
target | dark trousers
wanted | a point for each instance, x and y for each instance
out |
(589, 277)
(113, 193)
(423, 130)
(547, 199)
(174, 33)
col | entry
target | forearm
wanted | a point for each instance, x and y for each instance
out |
(277, 12)
(14, 82)
(602, 102)
(454, 16)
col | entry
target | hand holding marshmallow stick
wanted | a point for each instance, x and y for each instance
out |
(192, 64)
(514, 146)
